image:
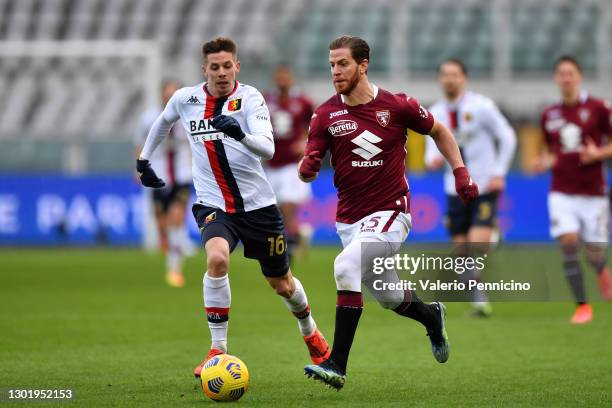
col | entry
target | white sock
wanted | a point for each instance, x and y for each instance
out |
(217, 300)
(174, 258)
(298, 305)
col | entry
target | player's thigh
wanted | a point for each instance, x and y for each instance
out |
(457, 216)
(215, 223)
(162, 198)
(562, 211)
(595, 215)
(384, 227)
(484, 211)
(262, 233)
(288, 187)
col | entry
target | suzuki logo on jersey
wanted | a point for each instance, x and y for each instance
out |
(342, 127)
(338, 113)
(383, 117)
(367, 149)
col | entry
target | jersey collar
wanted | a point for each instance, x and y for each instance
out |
(205, 87)
(374, 90)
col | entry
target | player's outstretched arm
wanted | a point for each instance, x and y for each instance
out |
(447, 145)
(465, 186)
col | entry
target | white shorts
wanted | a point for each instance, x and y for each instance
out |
(381, 226)
(582, 214)
(287, 185)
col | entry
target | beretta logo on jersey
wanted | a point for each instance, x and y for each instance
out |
(383, 117)
(342, 127)
(234, 105)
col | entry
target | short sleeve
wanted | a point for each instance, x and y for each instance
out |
(318, 138)
(415, 116)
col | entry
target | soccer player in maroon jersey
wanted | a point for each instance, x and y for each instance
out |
(290, 112)
(576, 132)
(364, 128)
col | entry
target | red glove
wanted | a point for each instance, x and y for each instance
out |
(465, 186)
(310, 165)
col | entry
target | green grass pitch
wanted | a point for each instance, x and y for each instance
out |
(103, 323)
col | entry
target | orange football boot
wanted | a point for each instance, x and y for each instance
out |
(583, 314)
(317, 347)
(175, 279)
(211, 353)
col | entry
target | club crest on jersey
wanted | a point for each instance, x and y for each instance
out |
(234, 105)
(383, 117)
(584, 115)
(210, 217)
(467, 117)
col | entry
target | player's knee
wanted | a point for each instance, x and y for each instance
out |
(570, 243)
(347, 272)
(217, 263)
(282, 287)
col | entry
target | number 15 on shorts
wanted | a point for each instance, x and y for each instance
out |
(277, 245)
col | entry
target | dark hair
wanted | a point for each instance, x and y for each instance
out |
(567, 58)
(455, 61)
(360, 50)
(219, 44)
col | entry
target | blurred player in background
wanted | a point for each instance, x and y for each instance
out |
(290, 112)
(577, 132)
(487, 143)
(364, 127)
(229, 131)
(172, 161)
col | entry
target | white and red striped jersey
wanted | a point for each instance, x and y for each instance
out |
(227, 174)
(485, 138)
(172, 159)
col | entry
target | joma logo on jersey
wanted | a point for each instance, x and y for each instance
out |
(338, 113)
(342, 127)
(367, 149)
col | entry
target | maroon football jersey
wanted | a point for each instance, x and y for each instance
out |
(367, 144)
(566, 129)
(290, 118)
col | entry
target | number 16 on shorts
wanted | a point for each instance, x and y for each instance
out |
(277, 245)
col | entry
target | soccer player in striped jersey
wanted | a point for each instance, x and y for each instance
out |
(487, 143)
(228, 126)
(172, 162)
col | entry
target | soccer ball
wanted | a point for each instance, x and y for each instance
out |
(225, 378)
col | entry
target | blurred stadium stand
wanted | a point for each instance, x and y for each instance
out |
(76, 112)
